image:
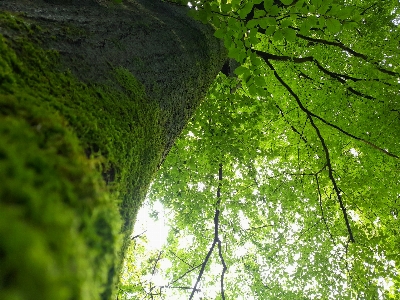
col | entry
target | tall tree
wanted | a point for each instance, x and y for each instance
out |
(92, 96)
(285, 184)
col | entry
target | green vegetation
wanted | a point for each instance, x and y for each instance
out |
(61, 141)
(307, 139)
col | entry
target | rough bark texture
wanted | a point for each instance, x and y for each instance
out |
(91, 100)
(175, 57)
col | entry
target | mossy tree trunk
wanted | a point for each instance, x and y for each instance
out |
(92, 98)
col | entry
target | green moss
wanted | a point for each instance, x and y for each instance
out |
(75, 163)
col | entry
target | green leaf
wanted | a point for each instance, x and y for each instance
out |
(219, 33)
(274, 10)
(268, 4)
(226, 8)
(349, 25)
(252, 36)
(232, 23)
(234, 52)
(241, 70)
(317, 3)
(334, 10)
(325, 6)
(245, 10)
(278, 35)
(310, 9)
(202, 15)
(270, 30)
(269, 21)
(227, 41)
(333, 25)
(216, 21)
(305, 28)
(259, 81)
(253, 90)
(289, 34)
(255, 60)
(320, 23)
(287, 2)
(252, 23)
(286, 23)
(345, 12)
(259, 13)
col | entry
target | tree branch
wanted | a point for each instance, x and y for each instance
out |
(138, 235)
(179, 287)
(339, 77)
(322, 210)
(291, 126)
(215, 241)
(152, 274)
(223, 269)
(181, 259)
(327, 155)
(347, 49)
(267, 56)
(183, 275)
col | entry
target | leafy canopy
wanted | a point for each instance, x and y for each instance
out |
(306, 136)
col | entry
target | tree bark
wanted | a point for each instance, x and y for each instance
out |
(175, 57)
(103, 51)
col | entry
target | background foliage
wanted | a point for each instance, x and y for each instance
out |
(307, 133)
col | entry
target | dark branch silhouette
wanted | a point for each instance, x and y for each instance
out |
(179, 287)
(216, 241)
(152, 274)
(339, 77)
(138, 235)
(267, 56)
(181, 259)
(324, 146)
(183, 275)
(291, 126)
(347, 49)
(322, 209)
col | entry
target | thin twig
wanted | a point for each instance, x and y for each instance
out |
(138, 235)
(183, 275)
(181, 259)
(322, 210)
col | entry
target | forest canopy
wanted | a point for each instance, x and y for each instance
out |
(285, 184)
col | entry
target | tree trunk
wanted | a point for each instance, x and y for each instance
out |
(91, 100)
